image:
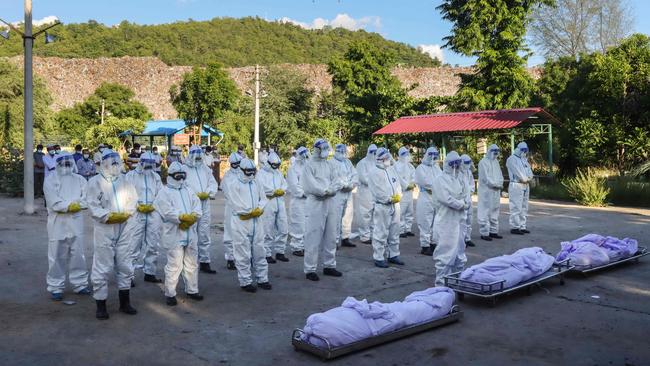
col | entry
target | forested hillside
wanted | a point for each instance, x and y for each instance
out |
(232, 42)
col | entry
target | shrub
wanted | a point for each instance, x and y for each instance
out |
(587, 188)
(11, 171)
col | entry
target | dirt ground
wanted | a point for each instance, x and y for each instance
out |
(603, 319)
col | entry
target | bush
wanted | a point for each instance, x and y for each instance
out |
(587, 188)
(11, 171)
(629, 192)
(550, 189)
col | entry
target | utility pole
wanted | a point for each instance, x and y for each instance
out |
(256, 138)
(28, 135)
(103, 105)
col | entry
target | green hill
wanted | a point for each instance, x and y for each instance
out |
(233, 42)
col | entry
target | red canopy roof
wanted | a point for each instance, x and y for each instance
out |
(462, 121)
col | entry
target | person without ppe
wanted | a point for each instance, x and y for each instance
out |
(467, 177)
(112, 200)
(65, 195)
(146, 220)
(386, 191)
(49, 160)
(320, 183)
(427, 205)
(85, 166)
(520, 175)
(174, 155)
(406, 172)
(449, 255)
(347, 175)
(297, 202)
(247, 203)
(229, 176)
(97, 156)
(202, 182)
(274, 219)
(180, 210)
(365, 203)
(490, 183)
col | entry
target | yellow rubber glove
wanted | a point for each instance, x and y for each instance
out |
(203, 195)
(278, 193)
(184, 226)
(410, 187)
(74, 207)
(189, 219)
(395, 198)
(257, 212)
(246, 216)
(117, 217)
(145, 209)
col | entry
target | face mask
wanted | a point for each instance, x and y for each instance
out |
(324, 153)
(86, 156)
(114, 170)
(386, 163)
(57, 151)
(51, 152)
(78, 151)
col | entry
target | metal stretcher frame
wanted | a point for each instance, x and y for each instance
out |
(492, 290)
(333, 352)
(643, 251)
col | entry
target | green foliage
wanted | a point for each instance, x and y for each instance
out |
(233, 42)
(237, 129)
(603, 102)
(75, 122)
(373, 96)
(108, 132)
(11, 171)
(550, 190)
(204, 95)
(12, 105)
(492, 31)
(587, 188)
(629, 192)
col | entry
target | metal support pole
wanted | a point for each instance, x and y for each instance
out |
(28, 135)
(256, 138)
(550, 150)
(444, 147)
(512, 142)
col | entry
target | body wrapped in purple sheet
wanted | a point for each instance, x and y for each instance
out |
(356, 319)
(594, 250)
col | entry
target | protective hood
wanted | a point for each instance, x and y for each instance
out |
(111, 165)
(321, 149)
(234, 160)
(493, 152)
(65, 164)
(147, 163)
(302, 154)
(382, 158)
(430, 156)
(263, 157)
(247, 170)
(176, 175)
(521, 150)
(273, 162)
(404, 155)
(468, 164)
(195, 158)
(452, 163)
(372, 150)
(341, 152)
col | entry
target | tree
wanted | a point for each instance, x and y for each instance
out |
(109, 131)
(204, 95)
(12, 105)
(492, 31)
(572, 27)
(373, 96)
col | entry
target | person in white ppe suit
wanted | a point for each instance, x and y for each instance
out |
(427, 206)
(297, 202)
(247, 204)
(490, 183)
(202, 182)
(520, 175)
(467, 176)
(65, 196)
(180, 210)
(112, 200)
(276, 226)
(320, 183)
(347, 174)
(406, 172)
(364, 200)
(229, 176)
(146, 220)
(449, 255)
(385, 186)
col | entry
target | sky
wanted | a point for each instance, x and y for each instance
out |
(415, 22)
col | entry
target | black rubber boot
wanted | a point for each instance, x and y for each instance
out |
(403, 235)
(171, 301)
(132, 283)
(125, 303)
(470, 243)
(312, 276)
(271, 260)
(264, 286)
(366, 241)
(525, 231)
(486, 238)
(410, 234)
(332, 272)
(205, 268)
(249, 288)
(427, 251)
(495, 236)
(515, 231)
(101, 312)
(231, 265)
(347, 243)
(197, 296)
(151, 278)
(281, 257)
(299, 253)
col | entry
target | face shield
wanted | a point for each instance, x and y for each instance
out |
(195, 157)
(523, 149)
(111, 164)
(65, 164)
(321, 149)
(302, 154)
(382, 158)
(452, 163)
(147, 162)
(341, 152)
(404, 155)
(372, 150)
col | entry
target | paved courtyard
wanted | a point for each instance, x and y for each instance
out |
(603, 319)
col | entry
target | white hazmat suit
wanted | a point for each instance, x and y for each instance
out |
(520, 175)
(347, 175)
(406, 172)
(246, 196)
(65, 196)
(386, 191)
(274, 219)
(365, 203)
(229, 176)
(427, 205)
(202, 182)
(297, 202)
(490, 183)
(146, 220)
(181, 244)
(467, 177)
(449, 255)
